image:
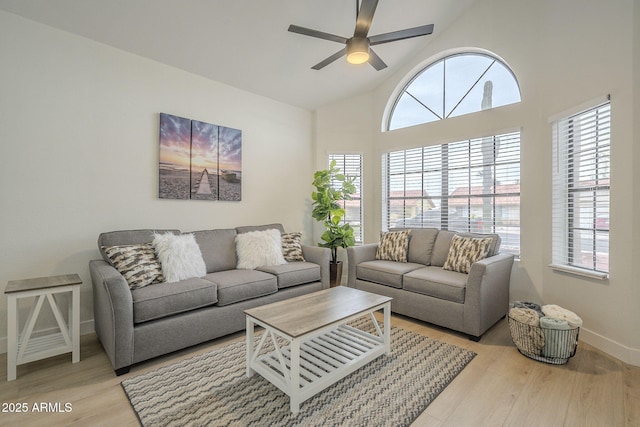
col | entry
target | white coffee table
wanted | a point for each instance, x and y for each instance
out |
(317, 347)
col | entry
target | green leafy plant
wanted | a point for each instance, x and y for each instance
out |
(331, 187)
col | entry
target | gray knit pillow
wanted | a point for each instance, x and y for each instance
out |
(137, 263)
(393, 246)
(291, 247)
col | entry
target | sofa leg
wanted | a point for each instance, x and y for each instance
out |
(122, 371)
(474, 338)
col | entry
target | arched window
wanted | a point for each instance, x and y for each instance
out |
(458, 84)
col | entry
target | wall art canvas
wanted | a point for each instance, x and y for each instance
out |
(204, 161)
(175, 157)
(230, 163)
(199, 161)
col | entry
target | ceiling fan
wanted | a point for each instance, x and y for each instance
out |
(358, 48)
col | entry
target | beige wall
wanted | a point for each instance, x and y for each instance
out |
(564, 54)
(79, 153)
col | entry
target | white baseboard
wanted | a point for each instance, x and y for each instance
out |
(86, 327)
(628, 355)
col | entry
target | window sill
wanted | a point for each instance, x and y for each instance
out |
(579, 272)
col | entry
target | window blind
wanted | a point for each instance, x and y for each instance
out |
(471, 185)
(351, 165)
(581, 187)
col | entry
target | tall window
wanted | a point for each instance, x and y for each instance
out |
(581, 186)
(351, 165)
(458, 84)
(471, 185)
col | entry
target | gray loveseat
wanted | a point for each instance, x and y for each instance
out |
(137, 325)
(469, 303)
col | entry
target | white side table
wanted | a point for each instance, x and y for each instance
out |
(22, 348)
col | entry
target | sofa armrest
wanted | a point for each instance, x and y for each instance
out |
(356, 255)
(112, 312)
(487, 292)
(320, 256)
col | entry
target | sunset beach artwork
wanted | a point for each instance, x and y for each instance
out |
(199, 161)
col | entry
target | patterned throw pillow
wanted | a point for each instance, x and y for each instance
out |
(464, 251)
(137, 263)
(291, 247)
(393, 246)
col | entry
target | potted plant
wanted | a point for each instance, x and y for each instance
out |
(331, 187)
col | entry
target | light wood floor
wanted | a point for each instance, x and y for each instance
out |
(500, 387)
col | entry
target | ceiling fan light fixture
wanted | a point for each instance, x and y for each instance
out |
(357, 50)
(357, 47)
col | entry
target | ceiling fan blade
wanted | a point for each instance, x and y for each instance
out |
(330, 59)
(375, 61)
(401, 35)
(318, 34)
(365, 16)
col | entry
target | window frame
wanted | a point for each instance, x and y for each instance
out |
(425, 66)
(342, 159)
(568, 186)
(465, 222)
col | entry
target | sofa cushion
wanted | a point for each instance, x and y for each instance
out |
(421, 241)
(393, 246)
(249, 228)
(464, 251)
(240, 285)
(384, 272)
(293, 273)
(166, 299)
(138, 264)
(443, 242)
(127, 237)
(438, 283)
(218, 249)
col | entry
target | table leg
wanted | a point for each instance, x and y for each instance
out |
(387, 328)
(249, 335)
(294, 384)
(12, 336)
(74, 321)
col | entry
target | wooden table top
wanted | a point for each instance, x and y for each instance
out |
(300, 315)
(42, 283)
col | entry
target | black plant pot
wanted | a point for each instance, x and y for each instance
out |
(335, 273)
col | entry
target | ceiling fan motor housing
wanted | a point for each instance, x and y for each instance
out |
(358, 50)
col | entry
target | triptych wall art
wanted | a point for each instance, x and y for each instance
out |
(199, 161)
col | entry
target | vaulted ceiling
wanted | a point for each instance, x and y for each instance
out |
(245, 43)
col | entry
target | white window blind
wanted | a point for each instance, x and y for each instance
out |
(581, 186)
(351, 165)
(471, 185)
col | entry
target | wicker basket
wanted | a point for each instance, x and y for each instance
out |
(542, 344)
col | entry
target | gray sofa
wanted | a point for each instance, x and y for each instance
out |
(140, 324)
(469, 303)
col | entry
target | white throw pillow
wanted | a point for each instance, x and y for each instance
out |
(180, 256)
(259, 248)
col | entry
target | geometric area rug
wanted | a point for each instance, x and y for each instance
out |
(212, 389)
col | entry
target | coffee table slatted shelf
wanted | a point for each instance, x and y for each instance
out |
(342, 350)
